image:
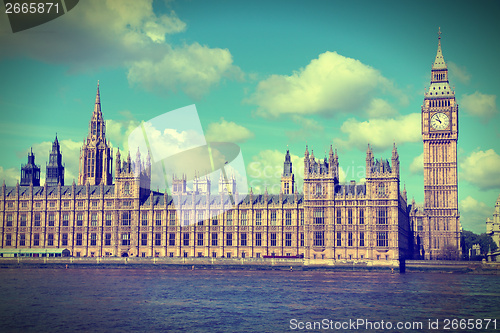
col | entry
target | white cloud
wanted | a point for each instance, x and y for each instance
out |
(460, 73)
(123, 33)
(95, 33)
(473, 214)
(164, 142)
(173, 152)
(193, 69)
(11, 175)
(417, 165)
(227, 131)
(117, 132)
(480, 105)
(380, 108)
(470, 204)
(380, 133)
(309, 128)
(128, 20)
(481, 168)
(328, 85)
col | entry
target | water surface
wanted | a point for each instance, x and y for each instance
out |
(125, 300)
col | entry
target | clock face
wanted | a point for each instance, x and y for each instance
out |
(440, 121)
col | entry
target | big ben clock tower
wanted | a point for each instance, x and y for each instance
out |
(440, 225)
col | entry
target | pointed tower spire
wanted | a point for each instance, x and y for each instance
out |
(137, 165)
(394, 151)
(97, 125)
(439, 62)
(129, 163)
(439, 87)
(118, 162)
(330, 160)
(287, 165)
(97, 106)
(96, 154)
(306, 161)
(369, 160)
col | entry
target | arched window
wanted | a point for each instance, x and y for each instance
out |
(381, 189)
(126, 189)
(319, 189)
(90, 163)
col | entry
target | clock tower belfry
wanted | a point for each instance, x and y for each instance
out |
(440, 224)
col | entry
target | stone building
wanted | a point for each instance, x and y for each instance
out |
(328, 220)
(437, 224)
(493, 225)
(369, 221)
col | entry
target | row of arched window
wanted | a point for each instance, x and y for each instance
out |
(440, 103)
(439, 76)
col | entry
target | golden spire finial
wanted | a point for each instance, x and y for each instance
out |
(439, 33)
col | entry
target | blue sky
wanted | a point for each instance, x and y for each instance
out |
(268, 75)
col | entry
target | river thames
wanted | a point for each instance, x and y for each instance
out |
(140, 300)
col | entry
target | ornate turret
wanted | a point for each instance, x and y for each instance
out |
(118, 163)
(227, 184)
(330, 161)
(178, 185)
(201, 184)
(335, 167)
(395, 160)
(137, 164)
(306, 161)
(30, 172)
(287, 166)
(129, 163)
(369, 161)
(54, 174)
(287, 178)
(493, 224)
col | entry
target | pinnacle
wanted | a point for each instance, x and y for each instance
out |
(439, 61)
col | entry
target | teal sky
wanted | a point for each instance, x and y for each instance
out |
(268, 75)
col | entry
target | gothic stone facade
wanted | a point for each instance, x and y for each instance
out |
(98, 218)
(328, 221)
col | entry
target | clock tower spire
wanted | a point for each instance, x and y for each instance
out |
(439, 229)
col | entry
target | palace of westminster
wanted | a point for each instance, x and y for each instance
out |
(328, 220)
